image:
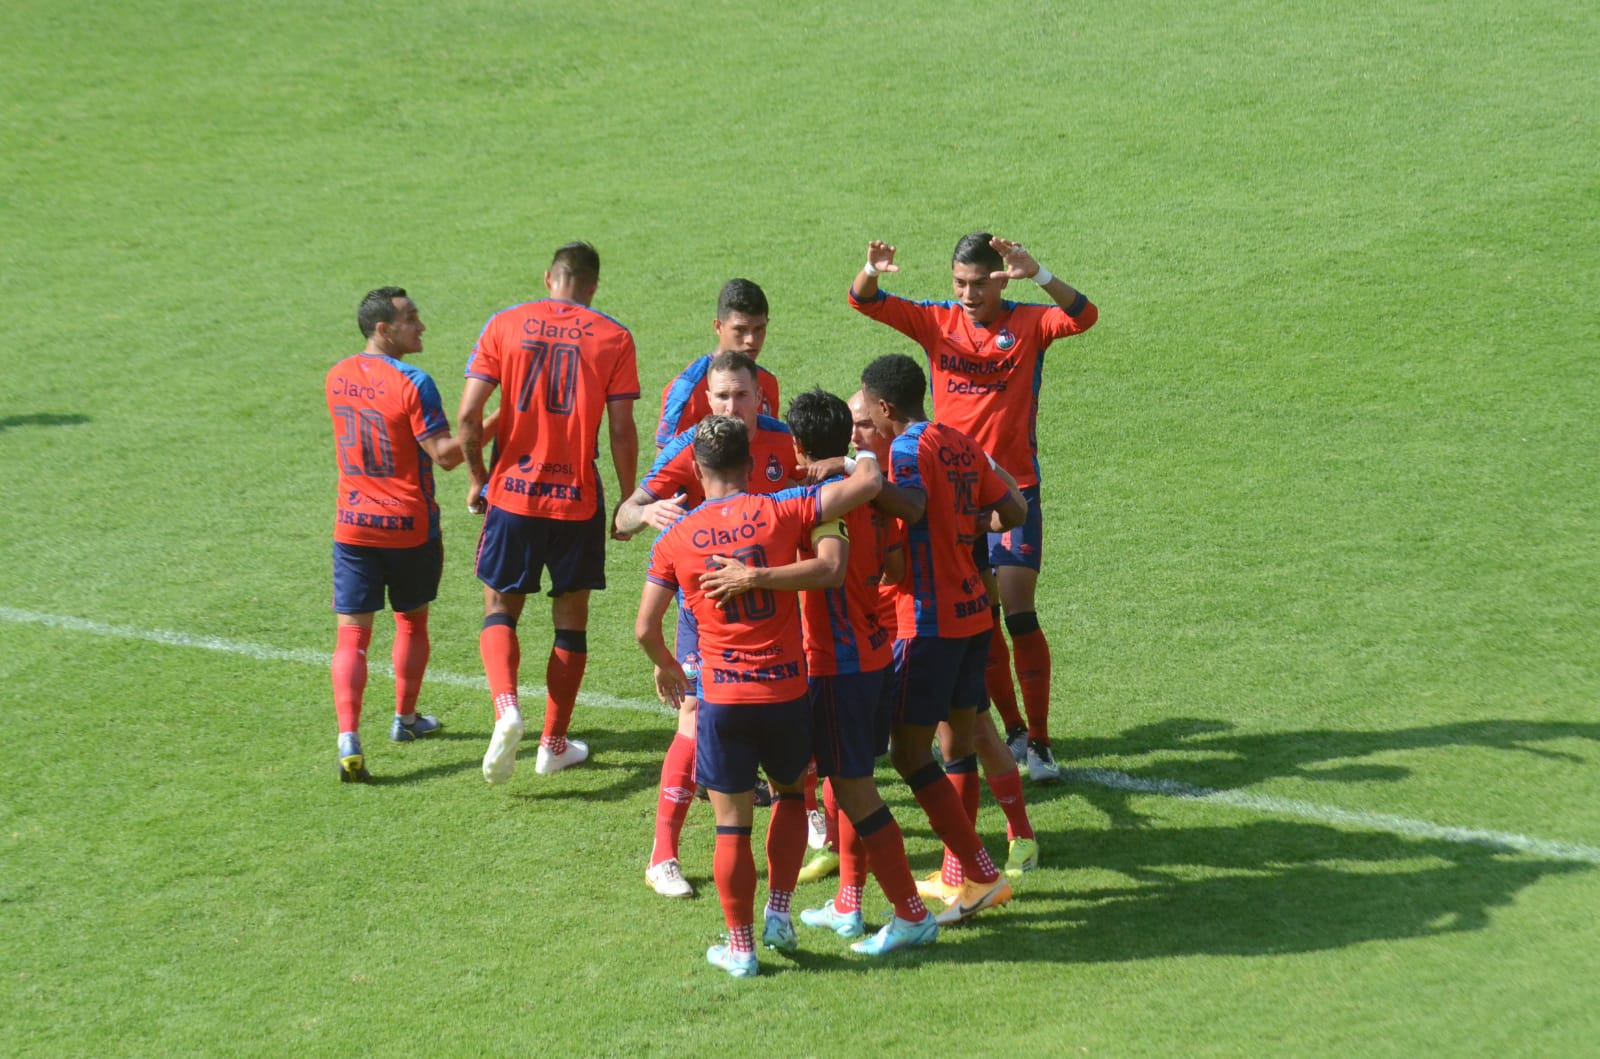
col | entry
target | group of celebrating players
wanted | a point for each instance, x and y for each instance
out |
(830, 608)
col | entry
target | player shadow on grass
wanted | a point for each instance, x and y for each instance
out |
(42, 419)
(1257, 889)
(1209, 754)
(621, 764)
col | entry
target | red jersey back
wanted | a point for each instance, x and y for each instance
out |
(382, 409)
(985, 379)
(557, 363)
(773, 465)
(844, 626)
(751, 645)
(943, 595)
(684, 401)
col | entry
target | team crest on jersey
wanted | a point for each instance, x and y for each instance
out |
(774, 469)
(1004, 340)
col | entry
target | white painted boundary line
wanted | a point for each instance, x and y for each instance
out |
(1121, 781)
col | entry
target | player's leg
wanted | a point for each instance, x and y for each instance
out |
(1017, 562)
(726, 767)
(785, 742)
(1005, 781)
(830, 858)
(576, 558)
(357, 595)
(997, 674)
(413, 584)
(508, 565)
(675, 794)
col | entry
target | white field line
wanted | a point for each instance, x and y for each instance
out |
(1121, 781)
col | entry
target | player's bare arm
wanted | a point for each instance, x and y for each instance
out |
(839, 498)
(903, 502)
(880, 258)
(824, 570)
(1010, 512)
(624, 434)
(446, 452)
(641, 510)
(671, 682)
(471, 421)
(1022, 265)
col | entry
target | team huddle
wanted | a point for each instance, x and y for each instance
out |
(830, 608)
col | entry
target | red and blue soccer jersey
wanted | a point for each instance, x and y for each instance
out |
(557, 363)
(751, 645)
(844, 626)
(943, 595)
(382, 409)
(684, 401)
(772, 464)
(985, 380)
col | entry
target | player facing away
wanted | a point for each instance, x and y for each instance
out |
(389, 430)
(985, 354)
(741, 327)
(755, 709)
(940, 483)
(849, 656)
(668, 490)
(561, 366)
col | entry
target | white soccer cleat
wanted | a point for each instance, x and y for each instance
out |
(576, 753)
(1042, 767)
(816, 829)
(501, 759)
(667, 879)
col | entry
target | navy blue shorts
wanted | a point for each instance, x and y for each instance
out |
(850, 715)
(938, 674)
(362, 572)
(686, 647)
(730, 741)
(1023, 546)
(513, 549)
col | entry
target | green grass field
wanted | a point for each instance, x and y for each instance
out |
(1322, 579)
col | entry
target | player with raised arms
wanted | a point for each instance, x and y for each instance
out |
(668, 490)
(756, 709)
(562, 366)
(849, 654)
(741, 327)
(985, 354)
(940, 484)
(389, 430)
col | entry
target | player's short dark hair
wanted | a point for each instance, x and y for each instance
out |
(741, 296)
(974, 249)
(721, 444)
(579, 260)
(898, 379)
(378, 308)
(733, 360)
(821, 424)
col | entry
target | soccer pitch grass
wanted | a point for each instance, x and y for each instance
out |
(1321, 487)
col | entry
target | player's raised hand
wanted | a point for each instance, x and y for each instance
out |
(880, 255)
(1019, 263)
(728, 578)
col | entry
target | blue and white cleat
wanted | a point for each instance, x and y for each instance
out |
(738, 964)
(899, 934)
(352, 763)
(401, 732)
(844, 924)
(778, 933)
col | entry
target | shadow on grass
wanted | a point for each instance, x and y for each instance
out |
(42, 419)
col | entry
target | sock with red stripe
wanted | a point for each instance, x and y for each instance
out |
(942, 805)
(963, 773)
(786, 848)
(733, 867)
(498, 646)
(886, 851)
(350, 675)
(562, 676)
(852, 866)
(410, 657)
(1007, 788)
(997, 676)
(674, 798)
(1033, 671)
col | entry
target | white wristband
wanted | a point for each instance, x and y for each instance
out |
(868, 269)
(866, 454)
(849, 465)
(1043, 276)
